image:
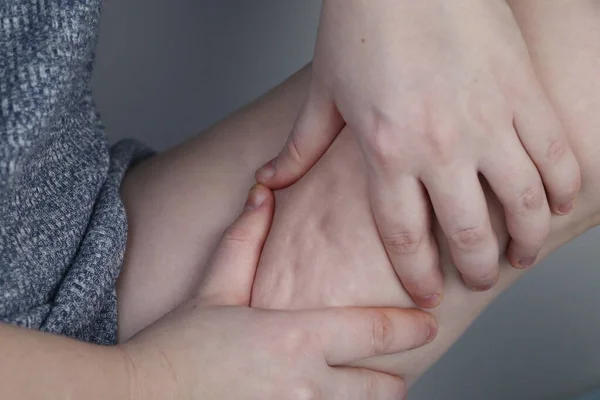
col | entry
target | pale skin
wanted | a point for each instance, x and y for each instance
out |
(171, 194)
(436, 92)
(197, 189)
(215, 338)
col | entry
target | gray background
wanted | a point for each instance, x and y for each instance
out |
(169, 68)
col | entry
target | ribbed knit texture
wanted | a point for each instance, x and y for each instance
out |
(62, 223)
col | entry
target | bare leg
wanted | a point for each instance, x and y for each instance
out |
(324, 250)
(179, 203)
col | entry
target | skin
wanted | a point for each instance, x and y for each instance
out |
(268, 354)
(326, 234)
(435, 93)
(217, 307)
(36, 365)
(214, 338)
(194, 189)
(179, 202)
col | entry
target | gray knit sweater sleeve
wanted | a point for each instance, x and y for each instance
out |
(62, 223)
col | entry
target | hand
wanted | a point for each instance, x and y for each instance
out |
(324, 250)
(216, 347)
(437, 94)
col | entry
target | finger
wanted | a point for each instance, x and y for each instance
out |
(516, 182)
(461, 209)
(545, 140)
(353, 334)
(403, 216)
(316, 127)
(229, 276)
(345, 383)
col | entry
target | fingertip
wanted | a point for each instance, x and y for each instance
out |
(257, 197)
(433, 329)
(481, 285)
(563, 194)
(228, 278)
(519, 260)
(266, 173)
(280, 172)
(565, 208)
(430, 327)
(431, 301)
(522, 263)
(427, 292)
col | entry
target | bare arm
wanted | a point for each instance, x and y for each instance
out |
(324, 249)
(196, 351)
(179, 203)
(36, 365)
(175, 220)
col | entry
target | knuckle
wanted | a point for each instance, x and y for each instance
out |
(482, 116)
(487, 118)
(531, 199)
(468, 238)
(382, 332)
(305, 390)
(438, 139)
(442, 143)
(403, 242)
(384, 128)
(293, 150)
(557, 150)
(237, 235)
(295, 342)
(382, 143)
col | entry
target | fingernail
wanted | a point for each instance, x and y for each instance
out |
(256, 197)
(267, 171)
(483, 287)
(432, 332)
(527, 262)
(430, 301)
(565, 208)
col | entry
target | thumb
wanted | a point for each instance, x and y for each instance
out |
(229, 276)
(316, 127)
